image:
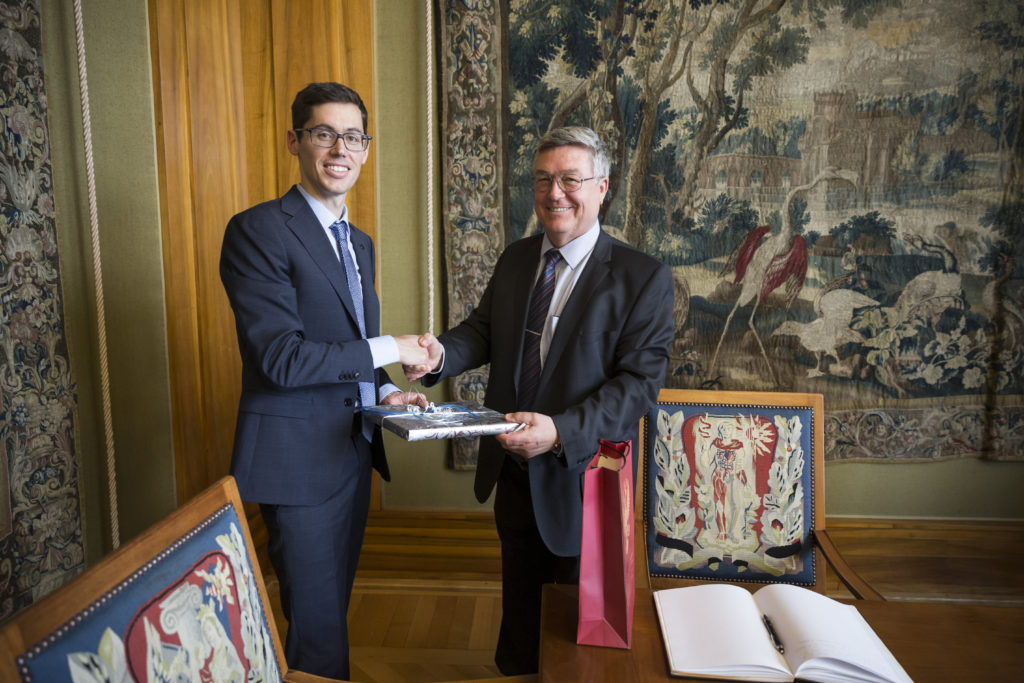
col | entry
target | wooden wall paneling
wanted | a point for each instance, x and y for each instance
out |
(225, 72)
(264, 130)
(321, 40)
(172, 107)
(220, 169)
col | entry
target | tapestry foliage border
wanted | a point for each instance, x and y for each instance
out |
(474, 159)
(41, 544)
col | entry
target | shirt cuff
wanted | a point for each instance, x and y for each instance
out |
(386, 389)
(384, 350)
(440, 366)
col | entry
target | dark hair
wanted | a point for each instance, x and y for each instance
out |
(322, 93)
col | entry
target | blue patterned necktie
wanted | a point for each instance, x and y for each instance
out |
(540, 302)
(340, 230)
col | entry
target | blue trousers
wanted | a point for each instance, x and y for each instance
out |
(314, 550)
(526, 565)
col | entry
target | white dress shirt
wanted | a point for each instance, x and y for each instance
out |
(575, 255)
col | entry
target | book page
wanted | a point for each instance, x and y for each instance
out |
(826, 637)
(716, 630)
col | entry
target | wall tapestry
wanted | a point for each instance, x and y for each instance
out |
(40, 519)
(836, 184)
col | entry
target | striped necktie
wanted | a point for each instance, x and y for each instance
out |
(540, 302)
(340, 229)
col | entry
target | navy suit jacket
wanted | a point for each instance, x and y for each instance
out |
(302, 354)
(604, 368)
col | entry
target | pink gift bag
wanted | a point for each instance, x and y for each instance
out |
(607, 591)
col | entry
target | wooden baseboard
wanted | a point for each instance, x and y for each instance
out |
(903, 558)
(936, 559)
(431, 545)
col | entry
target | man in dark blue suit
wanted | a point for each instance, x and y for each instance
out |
(300, 280)
(582, 366)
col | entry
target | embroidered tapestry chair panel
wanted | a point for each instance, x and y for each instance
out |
(733, 490)
(185, 600)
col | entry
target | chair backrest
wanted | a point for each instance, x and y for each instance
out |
(185, 600)
(731, 488)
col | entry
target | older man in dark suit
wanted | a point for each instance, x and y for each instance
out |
(300, 279)
(576, 326)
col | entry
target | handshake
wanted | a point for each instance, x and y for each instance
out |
(419, 354)
(422, 354)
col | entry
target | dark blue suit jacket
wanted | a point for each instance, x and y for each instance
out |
(302, 355)
(604, 368)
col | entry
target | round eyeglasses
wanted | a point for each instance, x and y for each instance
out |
(568, 183)
(325, 137)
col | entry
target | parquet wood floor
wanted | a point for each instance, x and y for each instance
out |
(426, 604)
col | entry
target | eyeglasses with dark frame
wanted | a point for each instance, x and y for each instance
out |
(325, 137)
(568, 182)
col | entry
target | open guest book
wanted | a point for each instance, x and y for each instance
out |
(451, 420)
(779, 633)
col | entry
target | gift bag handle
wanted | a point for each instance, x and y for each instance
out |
(611, 455)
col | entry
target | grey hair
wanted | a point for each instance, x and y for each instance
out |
(579, 136)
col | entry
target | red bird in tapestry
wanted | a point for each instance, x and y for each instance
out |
(764, 266)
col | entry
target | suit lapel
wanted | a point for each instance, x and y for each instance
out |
(303, 223)
(595, 270)
(526, 278)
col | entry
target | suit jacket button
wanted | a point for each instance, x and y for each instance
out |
(355, 375)
(349, 403)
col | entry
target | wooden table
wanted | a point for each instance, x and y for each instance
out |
(932, 641)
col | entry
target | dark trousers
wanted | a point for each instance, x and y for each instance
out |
(526, 565)
(314, 550)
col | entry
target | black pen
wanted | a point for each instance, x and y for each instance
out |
(772, 634)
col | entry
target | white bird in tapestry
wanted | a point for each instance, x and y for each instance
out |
(830, 331)
(930, 293)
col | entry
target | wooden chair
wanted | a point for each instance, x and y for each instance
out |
(731, 487)
(185, 598)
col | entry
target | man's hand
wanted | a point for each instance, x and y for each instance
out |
(410, 352)
(434, 353)
(407, 397)
(539, 436)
